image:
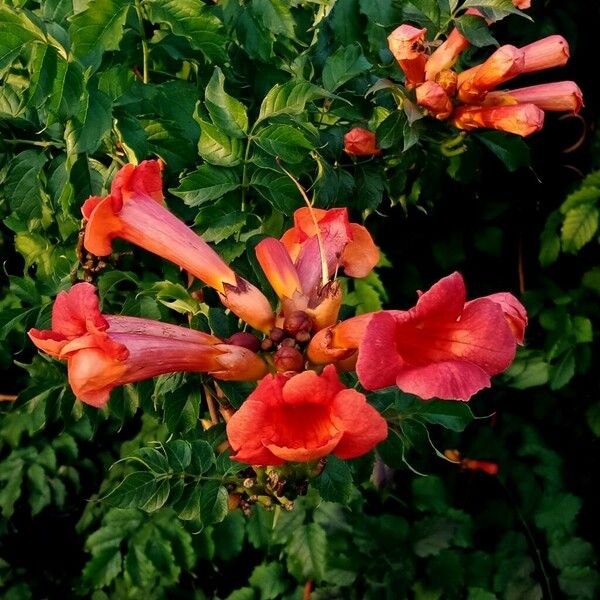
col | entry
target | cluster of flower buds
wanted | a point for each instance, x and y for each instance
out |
(444, 347)
(469, 99)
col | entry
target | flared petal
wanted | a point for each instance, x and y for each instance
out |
(310, 388)
(364, 427)
(514, 312)
(361, 255)
(77, 311)
(338, 342)
(48, 341)
(305, 454)
(246, 430)
(448, 380)
(432, 351)
(378, 362)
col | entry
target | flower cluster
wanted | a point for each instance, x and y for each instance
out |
(444, 347)
(468, 99)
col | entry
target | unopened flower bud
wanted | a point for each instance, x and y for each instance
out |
(288, 359)
(289, 342)
(361, 142)
(302, 337)
(431, 96)
(245, 340)
(297, 321)
(266, 345)
(277, 334)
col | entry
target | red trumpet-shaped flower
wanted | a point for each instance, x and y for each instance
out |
(491, 468)
(302, 418)
(361, 142)
(103, 351)
(301, 264)
(442, 348)
(134, 211)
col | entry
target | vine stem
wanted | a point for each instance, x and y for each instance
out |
(145, 53)
(529, 534)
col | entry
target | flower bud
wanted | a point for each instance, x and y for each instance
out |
(245, 340)
(297, 321)
(522, 4)
(431, 96)
(277, 334)
(288, 359)
(520, 119)
(549, 52)
(560, 96)
(406, 44)
(361, 142)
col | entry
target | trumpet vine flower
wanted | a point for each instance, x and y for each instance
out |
(104, 351)
(301, 418)
(134, 211)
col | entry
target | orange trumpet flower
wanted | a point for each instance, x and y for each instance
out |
(134, 211)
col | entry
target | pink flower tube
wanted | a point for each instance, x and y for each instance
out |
(103, 351)
(134, 211)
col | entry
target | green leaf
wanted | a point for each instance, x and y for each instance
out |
(579, 582)
(592, 416)
(344, 64)
(22, 185)
(495, 9)
(550, 240)
(84, 131)
(451, 415)
(97, 29)
(229, 535)
(205, 184)
(39, 493)
(103, 567)
(213, 503)
(225, 226)
(217, 148)
(278, 189)
(290, 98)
(158, 497)
(571, 553)
(510, 149)
(335, 482)
(390, 131)
(67, 89)
(179, 454)
(203, 457)
(193, 21)
(225, 111)
(476, 30)
(563, 371)
(579, 227)
(306, 552)
(269, 580)
(16, 30)
(284, 141)
(557, 514)
(583, 330)
(134, 491)
(181, 412)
